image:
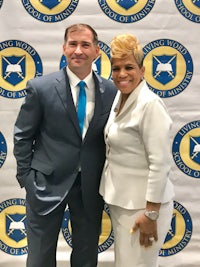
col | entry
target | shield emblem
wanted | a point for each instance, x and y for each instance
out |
(195, 148)
(15, 226)
(172, 231)
(196, 3)
(13, 69)
(126, 4)
(50, 4)
(164, 68)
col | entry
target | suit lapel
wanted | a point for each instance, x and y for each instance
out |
(99, 90)
(65, 95)
(130, 102)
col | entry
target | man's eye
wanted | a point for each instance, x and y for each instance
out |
(129, 68)
(86, 45)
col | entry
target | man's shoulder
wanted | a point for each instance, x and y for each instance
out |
(57, 75)
(108, 83)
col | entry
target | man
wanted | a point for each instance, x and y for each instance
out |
(56, 163)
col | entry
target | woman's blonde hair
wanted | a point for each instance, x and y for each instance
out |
(124, 45)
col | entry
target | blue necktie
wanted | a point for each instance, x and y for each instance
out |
(81, 105)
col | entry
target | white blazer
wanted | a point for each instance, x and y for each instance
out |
(138, 154)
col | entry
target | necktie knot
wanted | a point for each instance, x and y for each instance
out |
(81, 84)
(81, 105)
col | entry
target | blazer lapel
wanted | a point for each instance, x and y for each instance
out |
(130, 102)
(65, 95)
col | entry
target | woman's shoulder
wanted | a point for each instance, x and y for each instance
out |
(147, 95)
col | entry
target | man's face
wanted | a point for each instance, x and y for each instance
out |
(80, 51)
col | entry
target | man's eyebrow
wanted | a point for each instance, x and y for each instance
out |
(86, 42)
(82, 42)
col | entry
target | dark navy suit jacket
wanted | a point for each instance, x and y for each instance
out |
(48, 145)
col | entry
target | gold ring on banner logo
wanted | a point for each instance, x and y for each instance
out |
(189, 9)
(169, 67)
(126, 11)
(19, 62)
(186, 149)
(50, 11)
(180, 232)
(106, 238)
(13, 239)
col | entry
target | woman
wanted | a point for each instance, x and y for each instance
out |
(135, 181)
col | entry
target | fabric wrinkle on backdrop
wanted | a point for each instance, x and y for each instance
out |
(31, 37)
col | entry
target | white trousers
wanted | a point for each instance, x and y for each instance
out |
(128, 251)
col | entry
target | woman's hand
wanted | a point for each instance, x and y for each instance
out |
(148, 230)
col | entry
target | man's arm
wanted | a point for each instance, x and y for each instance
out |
(25, 130)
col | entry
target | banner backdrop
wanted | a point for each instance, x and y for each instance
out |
(31, 38)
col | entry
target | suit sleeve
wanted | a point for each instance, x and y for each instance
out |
(155, 129)
(25, 130)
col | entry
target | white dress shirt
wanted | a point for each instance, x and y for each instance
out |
(90, 95)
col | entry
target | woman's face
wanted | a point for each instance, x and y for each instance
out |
(126, 74)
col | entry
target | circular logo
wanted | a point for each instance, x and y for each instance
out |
(189, 9)
(101, 64)
(186, 149)
(106, 238)
(169, 67)
(126, 11)
(50, 10)
(19, 62)
(180, 232)
(13, 239)
(3, 149)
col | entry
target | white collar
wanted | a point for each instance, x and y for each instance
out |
(74, 80)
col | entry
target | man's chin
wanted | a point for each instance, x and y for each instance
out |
(76, 66)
